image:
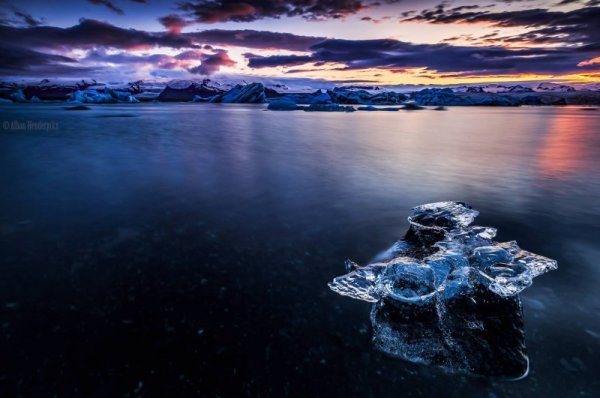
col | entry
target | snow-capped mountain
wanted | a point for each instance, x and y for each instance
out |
(493, 88)
(554, 87)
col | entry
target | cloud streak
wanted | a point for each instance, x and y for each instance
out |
(460, 60)
(213, 11)
(575, 27)
(565, 41)
(90, 33)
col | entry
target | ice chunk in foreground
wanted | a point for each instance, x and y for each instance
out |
(446, 276)
(443, 215)
(359, 283)
(439, 242)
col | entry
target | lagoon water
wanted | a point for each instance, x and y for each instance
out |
(185, 249)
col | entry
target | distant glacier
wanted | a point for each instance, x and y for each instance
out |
(283, 98)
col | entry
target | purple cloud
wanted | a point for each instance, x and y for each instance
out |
(211, 63)
(396, 55)
(212, 11)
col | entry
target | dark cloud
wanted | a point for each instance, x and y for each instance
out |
(211, 63)
(100, 56)
(396, 55)
(194, 61)
(27, 19)
(113, 7)
(108, 4)
(576, 27)
(174, 23)
(212, 11)
(257, 61)
(255, 39)
(90, 33)
(16, 61)
(12, 16)
(567, 2)
(570, 38)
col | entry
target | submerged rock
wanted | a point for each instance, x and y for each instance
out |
(371, 108)
(411, 106)
(77, 108)
(446, 271)
(329, 108)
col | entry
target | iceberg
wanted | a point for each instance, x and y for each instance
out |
(447, 97)
(106, 96)
(283, 104)
(316, 97)
(319, 97)
(18, 96)
(47, 90)
(186, 90)
(345, 95)
(329, 108)
(253, 93)
(443, 267)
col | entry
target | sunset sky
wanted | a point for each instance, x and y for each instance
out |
(371, 41)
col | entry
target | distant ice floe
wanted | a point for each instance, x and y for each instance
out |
(253, 93)
(440, 290)
(367, 98)
(104, 96)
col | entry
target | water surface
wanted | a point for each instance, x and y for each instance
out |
(176, 250)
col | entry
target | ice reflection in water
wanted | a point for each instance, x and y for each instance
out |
(480, 334)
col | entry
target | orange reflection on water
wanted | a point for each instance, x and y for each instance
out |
(565, 150)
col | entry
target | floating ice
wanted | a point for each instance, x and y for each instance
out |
(253, 93)
(282, 104)
(105, 96)
(438, 246)
(447, 292)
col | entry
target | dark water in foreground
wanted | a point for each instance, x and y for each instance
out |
(176, 250)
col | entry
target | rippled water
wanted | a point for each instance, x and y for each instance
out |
(172, 250)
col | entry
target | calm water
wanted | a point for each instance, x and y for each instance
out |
(173, 250)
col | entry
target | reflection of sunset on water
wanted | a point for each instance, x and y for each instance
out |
(566, 148)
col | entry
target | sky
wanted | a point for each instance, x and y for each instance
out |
(345, 41)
